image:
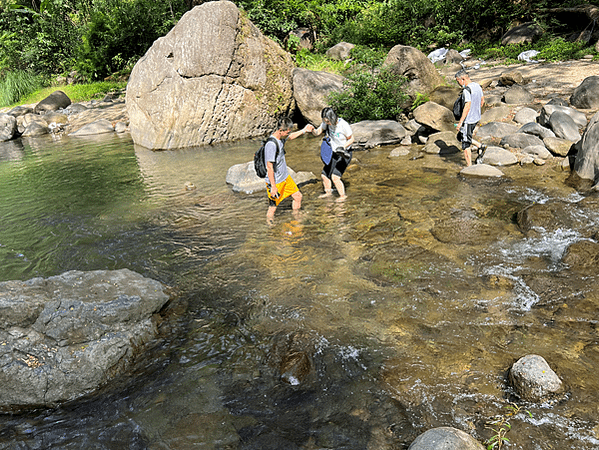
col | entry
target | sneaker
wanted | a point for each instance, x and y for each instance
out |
(481, 153)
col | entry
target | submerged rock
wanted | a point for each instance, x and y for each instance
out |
(65, 336)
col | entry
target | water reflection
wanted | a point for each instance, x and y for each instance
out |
(388, 324)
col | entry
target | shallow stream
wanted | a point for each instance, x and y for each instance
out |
(354, 325)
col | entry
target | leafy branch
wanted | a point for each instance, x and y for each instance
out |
(500, 425)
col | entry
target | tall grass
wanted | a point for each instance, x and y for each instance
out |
(16, 84)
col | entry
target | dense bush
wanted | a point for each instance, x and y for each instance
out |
(118, 33)
(370, 95)
(17, 84)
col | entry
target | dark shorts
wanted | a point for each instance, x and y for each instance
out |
(466, 138)
(337, 165)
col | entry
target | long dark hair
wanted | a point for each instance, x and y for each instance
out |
(329, 114)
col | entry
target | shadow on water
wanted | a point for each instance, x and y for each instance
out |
(354, 325)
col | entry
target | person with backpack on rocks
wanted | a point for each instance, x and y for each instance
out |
(335, 151)
(474, 100)
(279, 184)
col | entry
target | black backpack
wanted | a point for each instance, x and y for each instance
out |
(259, 163)
(458, 106)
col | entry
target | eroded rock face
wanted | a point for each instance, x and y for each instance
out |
(63, 337)
(587, 160)
(214, 77)
(311, 89)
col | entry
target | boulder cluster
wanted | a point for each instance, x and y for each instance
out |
(56, 114)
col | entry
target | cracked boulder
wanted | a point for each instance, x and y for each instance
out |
(214, 77)
(65, 336)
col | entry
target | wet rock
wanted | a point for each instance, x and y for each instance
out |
(547, 217)
(56, 100)
(65, 336)
(496, 130)
(518, 95)
(582, 256)
(533, 379)
(55, 117)
(243, 178)
(526, 115)
(100, 126)
(497, 156)
(536, 130)
(371, 133)
(558, 146)
(292, 354)
(445, 438)
(8, 127)
(340, 51)
(520, 140)
(586, 96)
(310, 90)
(482, 170)
(399, 151)
(36, 129)
(466, 230)
(434, 116)
(120, 127)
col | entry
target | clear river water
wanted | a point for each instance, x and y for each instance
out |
(347, 326)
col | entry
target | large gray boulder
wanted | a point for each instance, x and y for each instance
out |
(8, 127)
(371, 133)
(56, 100)
(445, 438)
(564, 127)
(411, 63)
(533, 379)
(65, 336)
(214, 77)
(586, 96)
(586, 165)
(442, 143)
(310, 90)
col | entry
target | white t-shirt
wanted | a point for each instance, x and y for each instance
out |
(339, 133)
(474, 97)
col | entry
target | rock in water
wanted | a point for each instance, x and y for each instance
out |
(63, 337)
(214, 77)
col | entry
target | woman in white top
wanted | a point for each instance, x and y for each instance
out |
(339, 137)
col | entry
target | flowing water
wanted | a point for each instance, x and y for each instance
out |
(355, 325)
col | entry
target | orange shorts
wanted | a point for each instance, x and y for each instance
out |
(286, 188)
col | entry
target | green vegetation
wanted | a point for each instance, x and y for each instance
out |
(500, 426)
(17, 84)
(76, 92)
(100, 38)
